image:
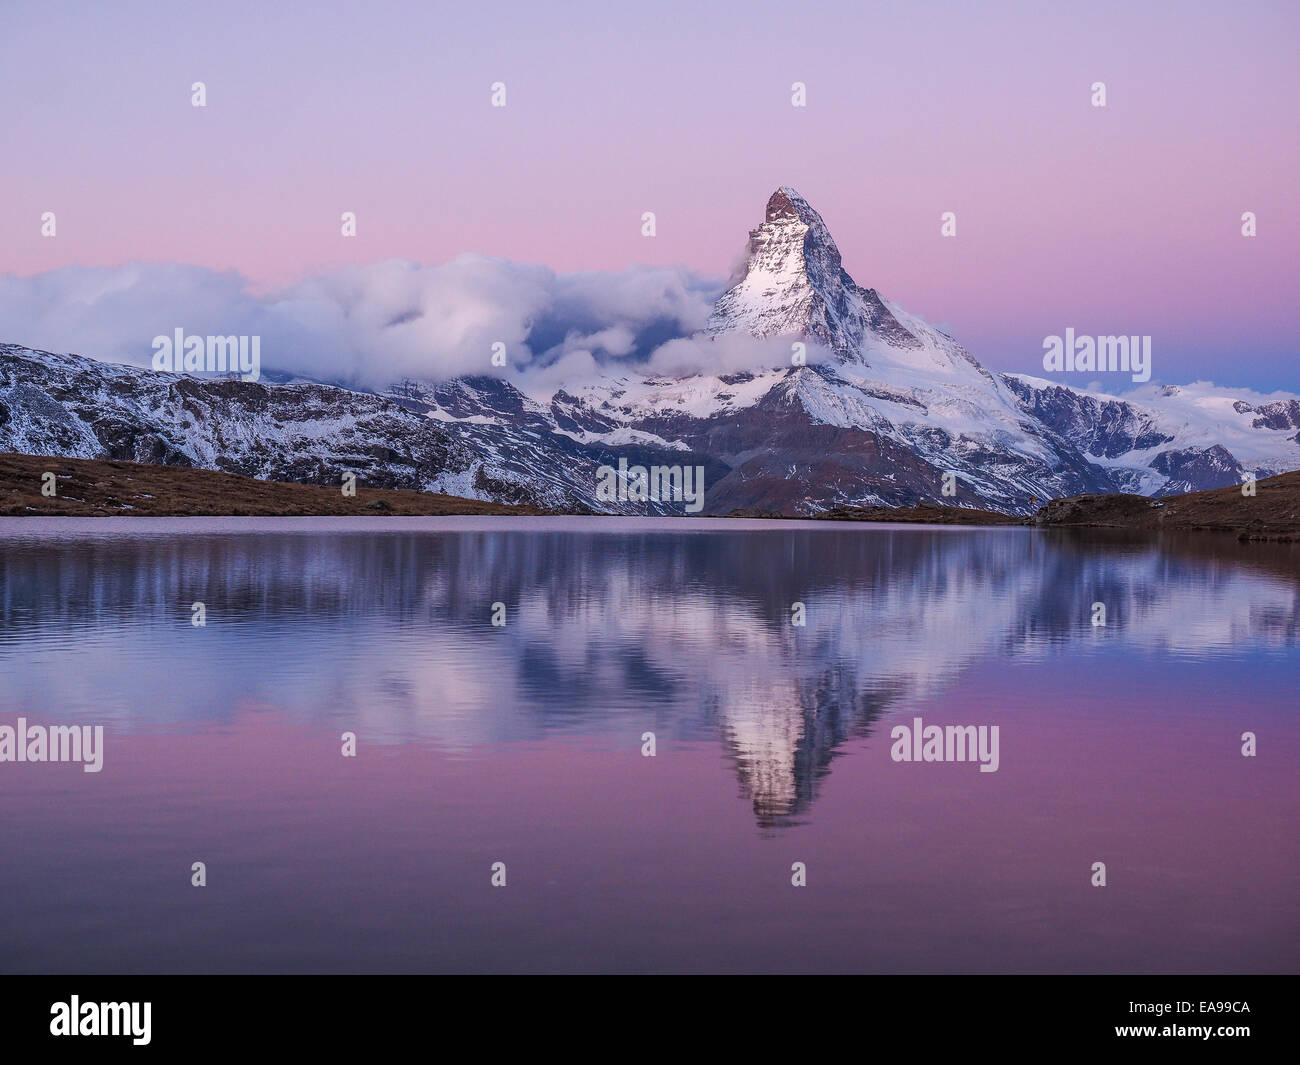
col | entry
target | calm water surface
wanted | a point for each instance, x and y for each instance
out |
(522, 744)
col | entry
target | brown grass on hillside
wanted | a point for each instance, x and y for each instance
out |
(102, 487)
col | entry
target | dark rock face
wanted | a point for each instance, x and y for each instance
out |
(1284, 414)
(1194, 471)
(1106, 428)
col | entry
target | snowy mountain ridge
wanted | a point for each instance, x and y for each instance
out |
(883, 408)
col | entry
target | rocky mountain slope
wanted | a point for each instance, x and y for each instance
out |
(1168, 439)
(75, 407)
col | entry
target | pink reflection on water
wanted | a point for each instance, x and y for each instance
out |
(617, 862)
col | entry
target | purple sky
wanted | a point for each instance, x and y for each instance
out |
(1117, 220)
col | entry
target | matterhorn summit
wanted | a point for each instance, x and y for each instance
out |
(794, 285)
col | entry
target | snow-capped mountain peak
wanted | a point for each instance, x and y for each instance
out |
(793, 284)
(886, 410)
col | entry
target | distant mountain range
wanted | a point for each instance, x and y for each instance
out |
(885, 406)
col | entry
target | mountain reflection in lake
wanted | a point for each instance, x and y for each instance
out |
(616, 628)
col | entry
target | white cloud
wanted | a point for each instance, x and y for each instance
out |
(369, 325)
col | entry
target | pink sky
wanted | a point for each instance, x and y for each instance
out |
(1122, 219)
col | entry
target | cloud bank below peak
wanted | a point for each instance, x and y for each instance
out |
(372, 325)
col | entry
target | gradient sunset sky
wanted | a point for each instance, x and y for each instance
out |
(1123, 219)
